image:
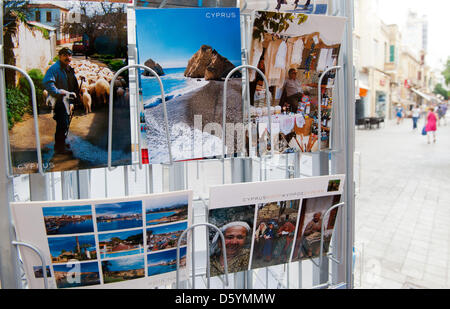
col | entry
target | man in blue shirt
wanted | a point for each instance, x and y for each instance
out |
(60, 81)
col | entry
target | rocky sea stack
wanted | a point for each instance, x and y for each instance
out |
(209, 64)
(154, 66)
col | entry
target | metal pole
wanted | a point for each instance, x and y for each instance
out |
(9, 265)
(343, 160)
(350, 145)
(35, 117)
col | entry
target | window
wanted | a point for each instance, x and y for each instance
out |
(38, 16)
(392, 54)
(49, 16)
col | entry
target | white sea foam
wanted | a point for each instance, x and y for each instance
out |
(187, 143)
(85, 151)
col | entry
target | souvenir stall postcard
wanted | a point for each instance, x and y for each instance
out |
(312, 217)
(192, 50)
(111, 243)
(263, 222)
(291, 6)
(71, 50)
(293, 51)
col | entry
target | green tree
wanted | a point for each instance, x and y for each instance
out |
(107, 19)
(440, 90)
(446, 72)
(271, 22)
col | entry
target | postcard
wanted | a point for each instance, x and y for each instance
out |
(65, 249)
(262, 222)
(185, 3)
(76, 274)
(192, 50)
(68, 220)
(293, 51)
(312, 218)
(288, 6)
(121, 243)
(166, 210)
(106, 243)
(274, 235)
(165, 237)
(236, 226)
(119, 216)
(165, 261)
(71, 50)
(123, 269)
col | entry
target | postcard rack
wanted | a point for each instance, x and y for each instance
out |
(332, 271)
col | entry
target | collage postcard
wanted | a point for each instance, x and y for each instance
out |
(272, 223)
(111, 243)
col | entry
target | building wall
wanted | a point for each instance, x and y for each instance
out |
(58, 18)
(27, 39)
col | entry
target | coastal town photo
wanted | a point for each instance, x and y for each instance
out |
(123, 269)
(74, 275)
(165, 261)
(88, 39)
(166, 209)
(192, 50)
(68, 220)
(165, 237)
(118, 216)
(65, 249)
(121, 244)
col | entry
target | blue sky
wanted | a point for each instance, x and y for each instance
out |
(125, 208)
(164, 256)
(172, 36)
(136, 262)
(121, 235)
(84, 267)
(165, 202)
(69, 243)
(169, 228)
(68, 211)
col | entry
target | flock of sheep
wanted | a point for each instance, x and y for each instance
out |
(94, 82)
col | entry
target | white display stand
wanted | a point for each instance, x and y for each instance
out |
(333, 271)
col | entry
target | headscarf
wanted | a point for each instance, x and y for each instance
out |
(215, 242)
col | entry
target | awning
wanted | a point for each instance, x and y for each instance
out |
(423, 95)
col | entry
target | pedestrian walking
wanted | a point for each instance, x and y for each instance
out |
(399, 114)
(431, 125)
(415, 116)
(442, 111)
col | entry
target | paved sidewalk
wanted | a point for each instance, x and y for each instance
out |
(403, 208)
